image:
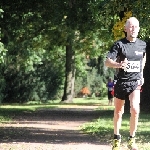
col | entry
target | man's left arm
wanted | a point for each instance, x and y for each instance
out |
(143, 65)
(143, 62)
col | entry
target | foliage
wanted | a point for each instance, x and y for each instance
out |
(32, 64)
(95, 82)
(109, 73)
(3, 52)
(43, 84)
(35, 38)
(2, 87)
(118, 28)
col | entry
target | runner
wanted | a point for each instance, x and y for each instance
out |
(132, 55)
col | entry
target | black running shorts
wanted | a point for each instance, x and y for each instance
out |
(123, 89)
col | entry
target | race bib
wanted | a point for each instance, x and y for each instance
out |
(133, 66)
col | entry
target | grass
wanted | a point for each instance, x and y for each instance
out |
(8, 111)
(101, 127)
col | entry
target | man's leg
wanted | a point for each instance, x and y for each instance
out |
(119, 110)
(134, 98)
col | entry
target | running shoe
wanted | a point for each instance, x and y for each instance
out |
(116, 144)
(131, 144)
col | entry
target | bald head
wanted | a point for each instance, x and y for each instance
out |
(132, 20)
(132, 28)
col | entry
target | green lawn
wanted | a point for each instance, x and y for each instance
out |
(7, 111)
(103, 127)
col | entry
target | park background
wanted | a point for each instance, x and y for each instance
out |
(53, 49)
(51, 52)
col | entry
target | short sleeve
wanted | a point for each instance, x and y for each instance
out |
(114, 51)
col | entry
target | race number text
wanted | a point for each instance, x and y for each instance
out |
(133, 66)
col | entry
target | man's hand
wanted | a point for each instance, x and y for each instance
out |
(123, 64)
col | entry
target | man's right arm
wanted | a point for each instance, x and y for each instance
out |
(112, 58)
(112, 64)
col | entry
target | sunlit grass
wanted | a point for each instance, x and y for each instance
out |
(103, 128)
(7, 111)
(89, 100)
(24, 107)
(78, 101)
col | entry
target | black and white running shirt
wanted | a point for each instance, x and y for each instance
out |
(134, 52)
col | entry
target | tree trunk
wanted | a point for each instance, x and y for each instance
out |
(70, 73)
(145, 96)
(100, 65)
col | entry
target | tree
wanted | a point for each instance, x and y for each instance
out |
(53, 30)
(83, 23)
(31, 57)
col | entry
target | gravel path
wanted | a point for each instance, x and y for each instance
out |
(51, 129)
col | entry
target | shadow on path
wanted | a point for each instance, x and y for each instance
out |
(55, 126)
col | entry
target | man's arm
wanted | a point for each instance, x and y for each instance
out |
(143, 65)
(111, 63)
(143, 62)
(114, 64)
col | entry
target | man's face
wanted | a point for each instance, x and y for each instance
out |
(132, 28)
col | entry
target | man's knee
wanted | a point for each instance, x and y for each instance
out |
(118, 114)
(135, 110)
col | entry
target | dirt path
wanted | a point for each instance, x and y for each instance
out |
(51, 129)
